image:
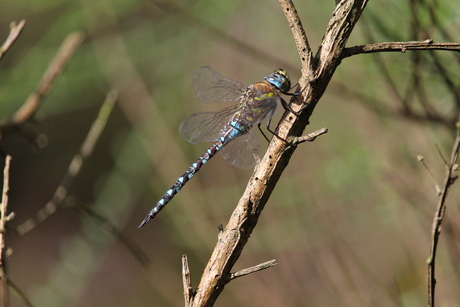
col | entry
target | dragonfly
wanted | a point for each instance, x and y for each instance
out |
(230, 128)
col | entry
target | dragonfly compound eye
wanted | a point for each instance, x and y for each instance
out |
(280, 79)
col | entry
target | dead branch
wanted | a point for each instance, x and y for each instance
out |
(307, 138)
(30, 106)
(436, 186)
(256, 53)
(129, 244)
(75, 165)
(65, 53)
(399, 47)
(19, 293)
(3, 220)
(15, 30)
(253, 269)
(449, 179)
(187, 281)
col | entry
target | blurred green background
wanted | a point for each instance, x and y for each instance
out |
(349, 221)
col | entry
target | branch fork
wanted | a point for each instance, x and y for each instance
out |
(189, 293)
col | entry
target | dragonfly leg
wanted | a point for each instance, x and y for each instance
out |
(260, 129)
(286, 106)
(292, 87)
(296, 93)
(272, 132)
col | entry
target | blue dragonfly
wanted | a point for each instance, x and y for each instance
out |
(228, 129)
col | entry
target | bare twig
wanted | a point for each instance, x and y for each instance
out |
(3, 220)
(19, 293)
(130, 245)
(308, 137)
(377, 105)
(65, 53)
(399, 47)
(300, 38)
(253, 269)
(415, 88)
(15, 30)
(187, 281)
(75, 166)
(392, 85)
(256, 53)
(439, 216)
(436, 186)
(441, 155)
(448, 79)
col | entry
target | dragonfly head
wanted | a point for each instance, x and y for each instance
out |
(279, 79)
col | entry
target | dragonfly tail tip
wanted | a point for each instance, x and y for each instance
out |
(145, 221)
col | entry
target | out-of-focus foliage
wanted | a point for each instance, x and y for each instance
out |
(350, 219)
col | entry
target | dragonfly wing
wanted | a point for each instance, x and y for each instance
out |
(206, 126)
(211, 87)
(240, 151)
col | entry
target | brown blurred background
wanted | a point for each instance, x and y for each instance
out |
(350, 219)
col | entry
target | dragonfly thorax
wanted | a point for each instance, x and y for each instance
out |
(279, 79)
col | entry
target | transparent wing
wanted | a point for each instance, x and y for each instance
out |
(206, 126)
(240, 151)
(211, 87)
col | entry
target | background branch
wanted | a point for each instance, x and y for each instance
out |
(63, 56)
(33, 101)
(3, 219)
(15, 30)
(438, 218)
(86, 150)
(186, 281)
(250, 49)
(399, 47)
(253, 269)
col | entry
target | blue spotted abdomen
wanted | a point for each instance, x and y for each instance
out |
(236, 129)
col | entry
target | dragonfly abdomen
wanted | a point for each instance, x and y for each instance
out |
(232, 133)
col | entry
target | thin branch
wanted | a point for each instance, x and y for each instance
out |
(385, 73)
(65, 53)
(30, 106)
(415, 88)
(15, 30)
(418, 87)
(300, 38)
(308, 137)
(19, 293)
(253, 269)
(187, 281)
(3, 220)
(377, 105)
(449, 80)
(75, 165)
(129, 244)
(439, 216)
(436, 186)
(256, 53)
(440, 27)
(399, 47)
(441, 155)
